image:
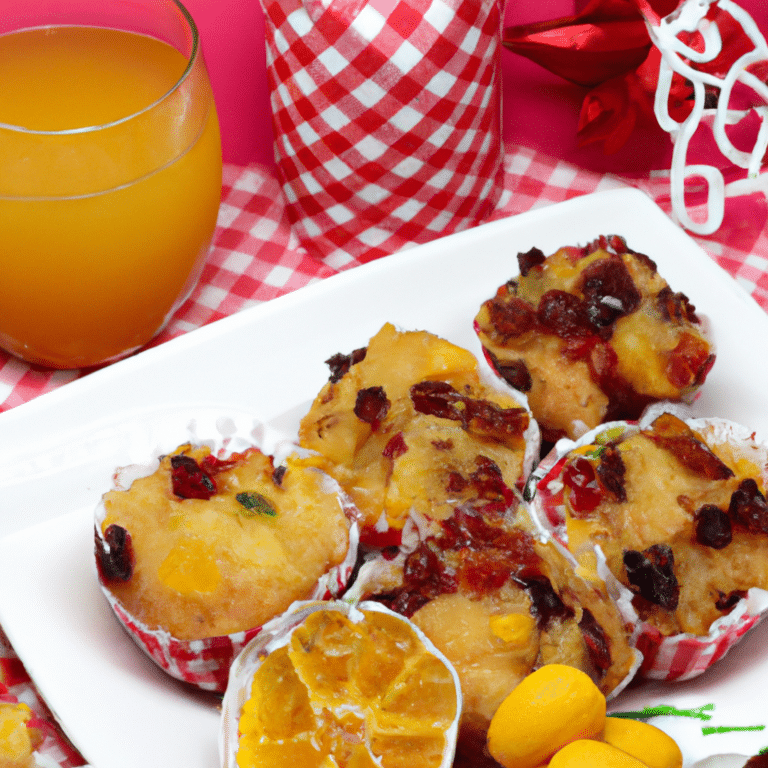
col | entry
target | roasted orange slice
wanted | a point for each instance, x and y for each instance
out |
(332, 685)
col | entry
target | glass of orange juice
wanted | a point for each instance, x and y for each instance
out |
(110, 175)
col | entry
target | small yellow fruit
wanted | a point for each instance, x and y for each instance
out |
(645, 742)
(551, 707)
(586, 753)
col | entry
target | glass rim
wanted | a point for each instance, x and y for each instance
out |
(191, 60)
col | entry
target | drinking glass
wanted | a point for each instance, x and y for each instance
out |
(110, 175)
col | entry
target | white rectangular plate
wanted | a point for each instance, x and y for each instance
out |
(59, 451)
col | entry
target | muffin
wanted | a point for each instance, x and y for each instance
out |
(499, 601)
(677, 510)
(402, 424)
(208, 547)
(593, 334)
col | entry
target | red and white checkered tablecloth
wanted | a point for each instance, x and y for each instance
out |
(256, 257)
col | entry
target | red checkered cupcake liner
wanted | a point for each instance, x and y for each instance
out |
(684, 656)
(387, 119)
(205, 663)
(676, 657)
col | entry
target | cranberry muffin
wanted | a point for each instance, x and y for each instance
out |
(678, 510)
(206, 547)
(593, 334)
(402, 423)
(499, 600)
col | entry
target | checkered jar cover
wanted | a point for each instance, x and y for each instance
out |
(387, 119)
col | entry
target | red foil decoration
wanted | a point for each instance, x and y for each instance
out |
(606, 48)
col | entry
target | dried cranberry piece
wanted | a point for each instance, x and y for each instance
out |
(481, 417)
(278, 474)
(689, 362)
(457, 483)
(213, 464)
(189, 479)
(712, 527)
(611, 243)
(514, 372)
(725, 603)
(546, 605)
(596, 641)
(467, 528)
(420, 565)
(372, 406)
(564, 315)
(340, 363)
(436, 398)
(488, 420)
(483, 571)
(675, 307)
(610, 472)
(748, 507)
(404, 603)
(510, 316)
(651, 575)
(488, 482)
(425, 575)
(395, 447)
(585, 494)
(530, 259)
(609, 291)
(114, 554)
(675, 436)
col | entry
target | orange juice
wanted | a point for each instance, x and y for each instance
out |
(102, 231)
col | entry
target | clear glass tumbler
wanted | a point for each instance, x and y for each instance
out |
(110, 175)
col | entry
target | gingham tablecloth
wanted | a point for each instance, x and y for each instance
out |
(256, 257)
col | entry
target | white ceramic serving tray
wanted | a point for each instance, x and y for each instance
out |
(58, 453)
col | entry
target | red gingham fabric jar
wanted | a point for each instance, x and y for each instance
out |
(387, 120)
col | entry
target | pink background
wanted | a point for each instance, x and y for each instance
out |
(540, 109)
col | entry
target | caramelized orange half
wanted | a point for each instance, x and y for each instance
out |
(340, 685)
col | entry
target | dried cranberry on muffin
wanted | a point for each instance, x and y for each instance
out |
(207, 548)
(678, 510)
(401, 418)
(593, 334)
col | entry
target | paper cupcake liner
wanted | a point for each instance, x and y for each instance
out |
(277, 633)
(205, 662)
(676, 657)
